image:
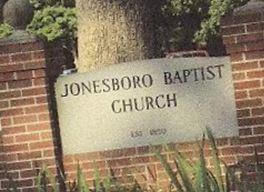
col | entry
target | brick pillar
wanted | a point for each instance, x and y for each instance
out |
(25, 111)
(243, 35)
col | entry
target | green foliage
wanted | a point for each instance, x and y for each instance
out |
(196, 22)
(196, 177)
(5, 30)
(40, 4)
(53, 23)
(43, 180)
(82, 185)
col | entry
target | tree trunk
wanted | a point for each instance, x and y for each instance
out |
(114, 31)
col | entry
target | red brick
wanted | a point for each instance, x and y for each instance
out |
(66, 158)
(44, 117)
(143, 150)
(8, 139)
(19, 84)
(254, 46)
(6, 122)
(39, 127)
(11, 68)
(46, 135)
(9, 95)
(10, 157)
(256, 74)
(16, 147)
(235, 48)
(39, 54)
(258, 111)
(229, 40)
(229, 151)
(247, 85)
(243, 113)
(222, 142)
(32, 46)
(248, 103)
(240, 95)
(4, 104)
(250, 37)
(230, 30)
(256, 93)
(27, 137)
(40, 64)
(22, 102)
(28, 174)
(39, 73)
(34, 91)
(251, 121)
(245, 66)
(4, 59)
(235, 57)
(92, 165)
(19, 165)
(21, 75)
(36, 109)
(25, 119)
(40, 81)
(245, 132)
(252, 140)
(41, 145)
(140, 160)
(255, 27)
(25, 183)
(258, 130)
(239, 76)
(119, 162)
(3, 86)
(6, 77)
(14, 130)
(29, 155)
(11, 112)
(262, 64)
(42, 100)
(255, 55)
(18, 57)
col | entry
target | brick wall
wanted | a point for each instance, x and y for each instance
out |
(243, 35)
(25, 111)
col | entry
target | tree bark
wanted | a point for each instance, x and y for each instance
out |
(114, 31)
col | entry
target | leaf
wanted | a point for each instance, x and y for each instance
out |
(169, 171)
(216, 160)
(82, 185)
(183, 168)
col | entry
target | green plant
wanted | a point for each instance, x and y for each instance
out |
(195, 23)
(40, 4)
(196, 177)
(45, 178)
(57, 23)
(45, 182)
(5, 30)
(53, 23)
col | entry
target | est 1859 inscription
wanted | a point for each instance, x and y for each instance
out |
(146, 102)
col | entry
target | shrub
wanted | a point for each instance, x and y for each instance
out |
(53, 23)
(5, 30)
(195, 177)
(195, 23)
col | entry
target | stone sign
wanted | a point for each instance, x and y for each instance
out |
(146, 102)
